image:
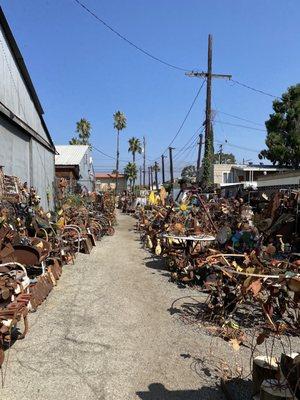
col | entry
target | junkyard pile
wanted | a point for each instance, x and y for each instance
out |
(35, 245)
(247, 258)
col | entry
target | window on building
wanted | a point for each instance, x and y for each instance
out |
(227, 177)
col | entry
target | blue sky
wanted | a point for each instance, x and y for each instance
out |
(81, 69)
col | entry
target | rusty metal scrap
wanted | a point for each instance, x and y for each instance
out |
(250, 269)
(34, 246)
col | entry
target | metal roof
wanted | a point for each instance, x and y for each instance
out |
(24, 71)
(70, 154)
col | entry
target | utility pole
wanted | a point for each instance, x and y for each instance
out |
(163, 168)
(220, 154)
(155, 174)
(144, 164)
(149, 178)
(171, 166)
(199, 154)
(208, 150)
(140, 177)
(151, 175)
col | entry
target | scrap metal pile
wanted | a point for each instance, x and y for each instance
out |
(247, 257)
(34, 246)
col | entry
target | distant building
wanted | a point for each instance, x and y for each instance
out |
(232, 178)
(26, 149)
(107, 181)
(288, 180)
(75, 164)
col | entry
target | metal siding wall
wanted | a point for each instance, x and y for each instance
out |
(14, 151)
(43, 170)
(84, 172)
(13, 91)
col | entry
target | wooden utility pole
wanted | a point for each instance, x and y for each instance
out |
(208, 149)
(140, 177)
(155, 174)
(144, 165)
(163, 168)
(171, 166)
(220, 154)
(151, 176)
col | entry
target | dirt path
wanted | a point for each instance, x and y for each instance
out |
(106, 332)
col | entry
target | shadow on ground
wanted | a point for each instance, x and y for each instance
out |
(157, 391)
(155, 263)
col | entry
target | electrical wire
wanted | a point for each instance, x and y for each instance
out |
(240, 126)
(254, 89)
(107, 155)
(184, 120)
(140, 49)
(240, 118)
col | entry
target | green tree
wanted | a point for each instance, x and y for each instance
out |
(189, 172)
(130, 172)
(225, 158)
(120, 123)
(134, 147)
(83, 128)
(283, 130)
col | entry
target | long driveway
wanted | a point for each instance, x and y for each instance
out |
(106, 332)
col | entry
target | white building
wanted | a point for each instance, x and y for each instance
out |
(76, 157)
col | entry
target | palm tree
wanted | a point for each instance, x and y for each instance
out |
(130, 172)
(83, 128)
(134, 147)
(119, 125)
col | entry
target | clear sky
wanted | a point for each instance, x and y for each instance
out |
(81, 69)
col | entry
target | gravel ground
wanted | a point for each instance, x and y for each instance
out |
(109, 331)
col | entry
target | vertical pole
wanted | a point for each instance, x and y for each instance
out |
(208, 149)
(144, 166)
(163, 168)
(171, 166)
(155, 174)
(151, 175)
(149, 178)
(220, 154)
(117, 165)
(208, 89)
(140, 177)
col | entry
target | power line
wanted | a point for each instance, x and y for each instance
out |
(237, 146)
(107, 155)
(185, 118)
(254, 90)
(140, 49)
(240, 126)
(240, 118)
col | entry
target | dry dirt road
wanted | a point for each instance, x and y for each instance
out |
(106, 332)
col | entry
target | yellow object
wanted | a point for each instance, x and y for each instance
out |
(183, 207)
(158, 248)
(152, 198)
(61, 222)
(149, 242)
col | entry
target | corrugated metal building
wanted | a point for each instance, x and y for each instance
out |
(26, 147)
(77, 157)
